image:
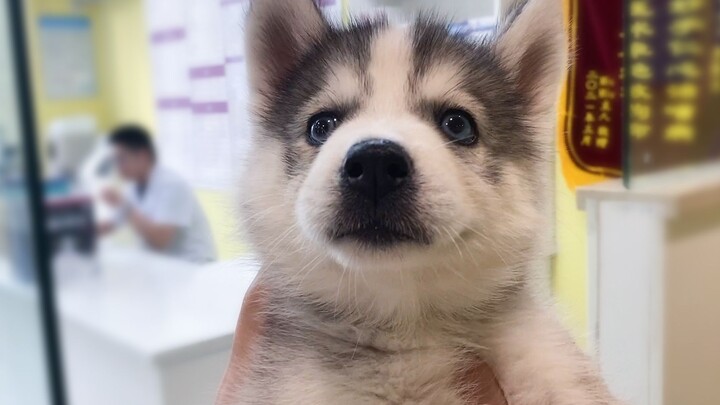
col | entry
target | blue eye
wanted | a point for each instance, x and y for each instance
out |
(459, 127)
(321, 126)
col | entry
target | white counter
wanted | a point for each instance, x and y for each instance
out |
(146, 329)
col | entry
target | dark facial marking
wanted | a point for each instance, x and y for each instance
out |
(504, 130)
(381, 224)
(281, 116)
(493, 170)
(348, 46)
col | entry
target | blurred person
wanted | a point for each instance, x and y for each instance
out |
(160, 206)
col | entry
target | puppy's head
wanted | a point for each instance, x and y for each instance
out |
(397, 150)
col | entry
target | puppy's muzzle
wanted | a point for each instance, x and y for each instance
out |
(376, 168)
(379, 198)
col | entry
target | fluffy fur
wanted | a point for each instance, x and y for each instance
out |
(355, 323)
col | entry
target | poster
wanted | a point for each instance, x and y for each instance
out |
(67, 57)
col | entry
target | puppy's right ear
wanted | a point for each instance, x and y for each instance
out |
(278, 33)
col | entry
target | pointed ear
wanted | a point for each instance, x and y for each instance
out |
(278, 33)
(533, 45)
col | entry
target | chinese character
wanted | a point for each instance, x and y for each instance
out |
(641, 10)
(642, 30)
(680, 48)
(603, 131)
(606, 81)
(639, 130)
(684, 91)
(606, 94)
(640, 91)
(642, 71)
(680, 133)
(640, 112)
(681, 112)
(687, 26)
(640, 50)
(687, 69)
(686, 6)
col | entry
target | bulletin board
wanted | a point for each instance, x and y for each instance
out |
(67, 57)
(673, 84)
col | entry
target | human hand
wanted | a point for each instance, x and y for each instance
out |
(113, 197)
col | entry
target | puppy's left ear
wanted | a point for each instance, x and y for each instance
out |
(533, 45)
(278, 34)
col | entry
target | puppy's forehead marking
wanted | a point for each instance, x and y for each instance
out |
(445, 82)
(390, 67)
(343, 86)
(440, 80)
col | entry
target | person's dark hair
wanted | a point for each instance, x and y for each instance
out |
(134, 138)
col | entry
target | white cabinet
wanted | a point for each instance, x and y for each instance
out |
(144, 330)
(654, 288)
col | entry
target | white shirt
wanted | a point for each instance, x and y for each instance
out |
(169, 200)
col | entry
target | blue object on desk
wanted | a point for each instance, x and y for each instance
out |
(58, 187)
(17, 229)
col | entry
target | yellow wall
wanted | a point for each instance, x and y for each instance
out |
(126, 66)
(569, 276)
(219, 207)
(569, 279)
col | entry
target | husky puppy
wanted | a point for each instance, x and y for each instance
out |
(396, 198)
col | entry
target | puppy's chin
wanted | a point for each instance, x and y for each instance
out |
(386, 251)
(400, 255)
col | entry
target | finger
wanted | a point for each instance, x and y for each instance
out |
(249, 328)
(481, 386)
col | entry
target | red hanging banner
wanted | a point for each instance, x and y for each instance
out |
(591, 123)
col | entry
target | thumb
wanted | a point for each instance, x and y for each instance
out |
(249, 329)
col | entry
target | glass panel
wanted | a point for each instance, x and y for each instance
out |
(24, 361)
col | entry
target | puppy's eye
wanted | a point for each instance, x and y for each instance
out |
(459, 127)
(321, 126)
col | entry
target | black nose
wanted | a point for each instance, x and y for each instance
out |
(376, 168)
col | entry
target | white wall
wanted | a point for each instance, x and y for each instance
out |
(456, 9)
